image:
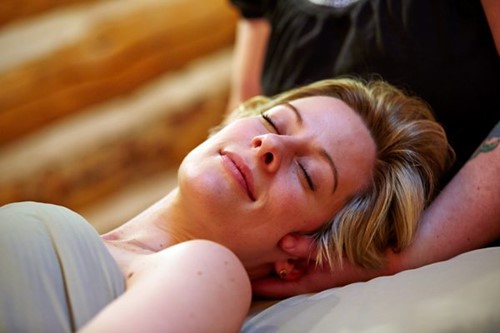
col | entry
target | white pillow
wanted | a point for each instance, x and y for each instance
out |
(458, 295)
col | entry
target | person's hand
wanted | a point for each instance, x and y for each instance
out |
(312, 279)
(307, 276)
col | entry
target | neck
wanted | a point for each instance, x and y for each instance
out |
(165, 223)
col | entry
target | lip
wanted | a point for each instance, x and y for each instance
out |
(241, 172)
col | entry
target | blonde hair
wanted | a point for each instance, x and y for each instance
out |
(412, 152)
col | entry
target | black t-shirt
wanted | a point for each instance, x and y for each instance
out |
(439, 50)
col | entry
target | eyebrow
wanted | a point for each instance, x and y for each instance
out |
(323, 152)
(294, 109)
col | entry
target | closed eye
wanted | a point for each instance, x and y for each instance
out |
(270, 122)
(307, 177)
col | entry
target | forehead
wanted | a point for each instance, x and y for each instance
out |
(325, 116)
(323, 105)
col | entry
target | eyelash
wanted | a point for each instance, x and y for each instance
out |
(307, 177)
(270, 122)
(304, 171)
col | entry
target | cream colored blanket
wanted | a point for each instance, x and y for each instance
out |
(458, 295)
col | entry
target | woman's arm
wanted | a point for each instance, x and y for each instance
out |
(249, 51)
(463, 217)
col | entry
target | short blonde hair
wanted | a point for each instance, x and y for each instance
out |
(412, 151)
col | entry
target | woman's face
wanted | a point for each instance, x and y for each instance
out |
(287, 171)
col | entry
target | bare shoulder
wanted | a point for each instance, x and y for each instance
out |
(194, 259)
(194, 286)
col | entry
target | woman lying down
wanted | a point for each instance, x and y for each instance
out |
(350, 163)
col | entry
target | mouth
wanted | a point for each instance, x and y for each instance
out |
(238, 168)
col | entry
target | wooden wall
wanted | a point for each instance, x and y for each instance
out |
(98, 96)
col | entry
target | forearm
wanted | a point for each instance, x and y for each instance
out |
(249, 52)
(464, 216)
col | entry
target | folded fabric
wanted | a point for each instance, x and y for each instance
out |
(55, 273)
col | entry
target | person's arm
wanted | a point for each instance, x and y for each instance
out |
(463, 217)
(249, 51)
(466, 214)
(492, 11)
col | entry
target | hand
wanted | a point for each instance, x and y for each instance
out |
(307, 276)
(304, 276)
(311, 279)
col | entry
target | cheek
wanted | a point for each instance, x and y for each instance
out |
(237, 130)
(295, 211)
(302, 211)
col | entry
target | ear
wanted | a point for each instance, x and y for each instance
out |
(298, 246)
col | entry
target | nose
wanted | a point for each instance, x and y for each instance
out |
(272, 149)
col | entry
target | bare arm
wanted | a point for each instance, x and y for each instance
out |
(251, 42)
(492, 10)
(464, 216)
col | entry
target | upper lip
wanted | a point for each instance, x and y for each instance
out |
(244, 170)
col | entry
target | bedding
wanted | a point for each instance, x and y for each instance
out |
(458, 295)
(55, 272)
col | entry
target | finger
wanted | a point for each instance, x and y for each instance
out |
(298, 246)
(276, 288)
(312, 278)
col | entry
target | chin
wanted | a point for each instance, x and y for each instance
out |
(205, 191)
